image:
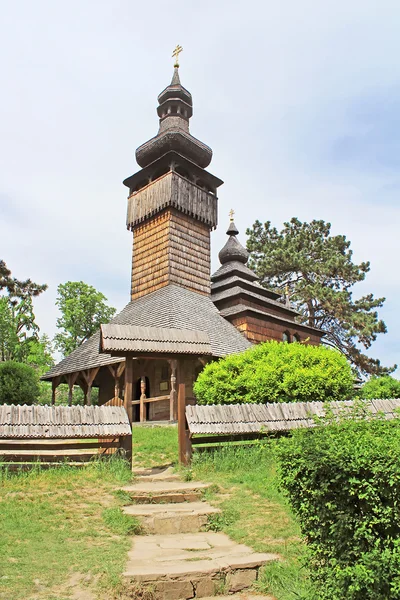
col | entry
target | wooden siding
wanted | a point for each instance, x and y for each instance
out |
(170, 248)
(172, 190)
(268, 308)
(257, 330)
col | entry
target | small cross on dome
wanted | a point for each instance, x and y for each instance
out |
(231, 214)
(176, 54)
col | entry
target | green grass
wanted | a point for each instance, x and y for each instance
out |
(65, 525)
(153, 446)
(256, 513)
(62, 526)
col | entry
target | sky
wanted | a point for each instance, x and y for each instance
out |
(299, 100)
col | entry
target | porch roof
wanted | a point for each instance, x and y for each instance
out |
(165, 340)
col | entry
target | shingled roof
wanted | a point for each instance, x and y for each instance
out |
(166, 340)
(171, 306)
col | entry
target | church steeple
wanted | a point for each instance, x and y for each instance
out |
(175, 108)
(172, 203)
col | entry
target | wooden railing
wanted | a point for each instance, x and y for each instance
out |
(143, 401)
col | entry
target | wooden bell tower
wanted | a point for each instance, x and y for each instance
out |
(172, 202)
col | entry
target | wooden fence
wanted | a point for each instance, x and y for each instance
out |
(208, 426)
(58, 434)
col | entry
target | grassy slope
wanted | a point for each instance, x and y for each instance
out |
(60, 526)
(57, 524)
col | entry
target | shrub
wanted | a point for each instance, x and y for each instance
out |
(276, 372)
(19, 383)
(343, 482)
(380, 387)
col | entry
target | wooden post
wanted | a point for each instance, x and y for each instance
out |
(71, 378)
(116, 371)
(119, 370)
(183, 455)
(55, 382)
(128, 393)
(89, 377)
(172, 396)
(142, 399)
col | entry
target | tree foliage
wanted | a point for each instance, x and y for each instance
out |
(83, 309)
(343, 482)
(380, 387)
(276, 372)
(18, 327)
(318, 270)
(19, 383)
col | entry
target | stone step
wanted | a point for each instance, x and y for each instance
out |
(241, 596)
(189, 517)
(166, 491)
(193, 565)
(156, 474)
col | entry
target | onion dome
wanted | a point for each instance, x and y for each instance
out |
(233, 249)
(175, 108)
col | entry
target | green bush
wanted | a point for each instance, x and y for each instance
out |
(19, 383)
(380, 387)
(343, 482)
(276, 372)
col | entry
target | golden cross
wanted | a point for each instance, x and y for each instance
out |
(231, 214)
(176, 54)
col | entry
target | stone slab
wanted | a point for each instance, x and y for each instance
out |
(156, 474)
(158, 557)
(167, 510)
(157, 487)
(241, 596)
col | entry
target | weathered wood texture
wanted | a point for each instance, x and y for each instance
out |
(172, 190)
(243, 419)
(54, 434)
(256, 329)
(170, 248)
(58, 422)
(59, 451)
(268, 308)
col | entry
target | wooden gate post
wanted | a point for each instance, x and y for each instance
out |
(183, 434)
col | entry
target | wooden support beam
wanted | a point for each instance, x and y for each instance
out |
(128, 393)
(55, 382)
(71, 378)
(173, 395)
(116, 371)
(89, 377)
(84, 387)
(120, 369)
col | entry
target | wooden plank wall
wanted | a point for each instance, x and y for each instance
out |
(170, 248)
(258, 330)
(18, 453)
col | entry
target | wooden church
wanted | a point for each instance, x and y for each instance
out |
(180, 316)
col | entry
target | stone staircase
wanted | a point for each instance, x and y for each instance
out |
(177, 558)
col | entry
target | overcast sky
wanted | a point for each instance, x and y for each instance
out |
(299, 100)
